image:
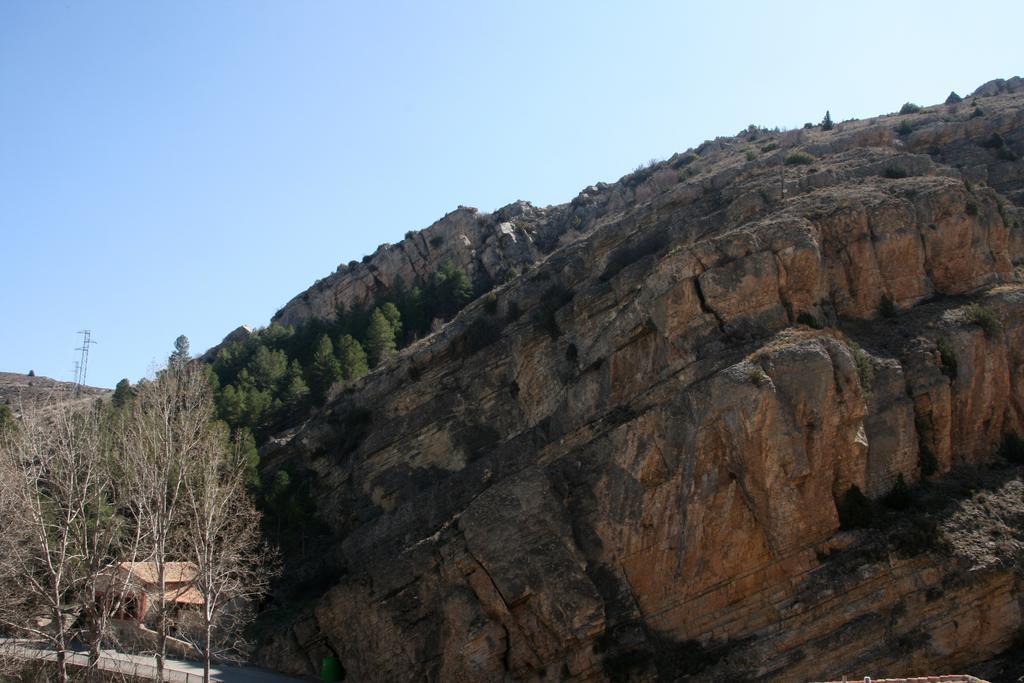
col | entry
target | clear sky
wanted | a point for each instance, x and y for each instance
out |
(184, 167)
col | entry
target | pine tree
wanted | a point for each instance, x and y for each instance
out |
(413, 313)
(353, 358)
(326, 369)
(295, 389)
(450, 290)
(390, 312)
(123, 394)
(826, 123)
(249, 455)
(268, 367)
(180, 356)
(380, 338)
(231, 405)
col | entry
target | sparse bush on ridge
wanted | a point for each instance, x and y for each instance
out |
(898, 497)
(855, 510)
(808, 319)
(887, 307)
(865, 366)
(927, 461)
(895, 172)
(985, 318)
(995, 141)
(909, 108)
(998, 143)
(799, 158)
(947, 357)
(632, 252)
(1012, 449)
(756, 375)
(1006, 154)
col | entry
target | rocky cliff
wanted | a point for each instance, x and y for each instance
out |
(640, 456)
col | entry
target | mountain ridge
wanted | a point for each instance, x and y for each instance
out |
(492, 247)
(675, 446)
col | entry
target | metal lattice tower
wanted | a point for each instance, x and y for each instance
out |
(82, 366)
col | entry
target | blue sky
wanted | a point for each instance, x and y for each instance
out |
(181, 167)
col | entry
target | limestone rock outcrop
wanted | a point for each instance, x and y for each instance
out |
(636, 463)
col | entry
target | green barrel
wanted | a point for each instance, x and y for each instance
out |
(330, 669)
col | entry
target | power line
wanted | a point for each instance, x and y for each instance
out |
(82, 366)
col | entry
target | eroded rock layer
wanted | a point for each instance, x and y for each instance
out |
(635, 461)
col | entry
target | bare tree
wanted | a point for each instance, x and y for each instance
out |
(113, 533)
(12, 533)
(166, 436)
(82, 491)
(54, 473)
(234, 567)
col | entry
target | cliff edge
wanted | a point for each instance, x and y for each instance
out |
(750, 413)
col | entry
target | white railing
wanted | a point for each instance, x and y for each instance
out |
(111, 662)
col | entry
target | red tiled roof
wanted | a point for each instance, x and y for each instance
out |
(174, 572)
(185, 596)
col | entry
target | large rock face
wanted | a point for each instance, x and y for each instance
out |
(634, 466)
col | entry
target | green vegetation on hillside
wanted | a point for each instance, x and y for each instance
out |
(280, 371)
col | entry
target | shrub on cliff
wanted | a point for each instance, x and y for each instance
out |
(799, 158)
(995, 141)
(865, 367)
(855, 510)
(985, 318)
(887, 307)
(634, 251)
(1012, 449)
(947, 357)
(756, 375)
(909, 108)
(810, 320)
(898, 497)
(894, 172)
(927, 461)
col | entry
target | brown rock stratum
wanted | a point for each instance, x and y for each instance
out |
(633, 468)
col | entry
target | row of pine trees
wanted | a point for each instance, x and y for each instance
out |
(281, 370)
